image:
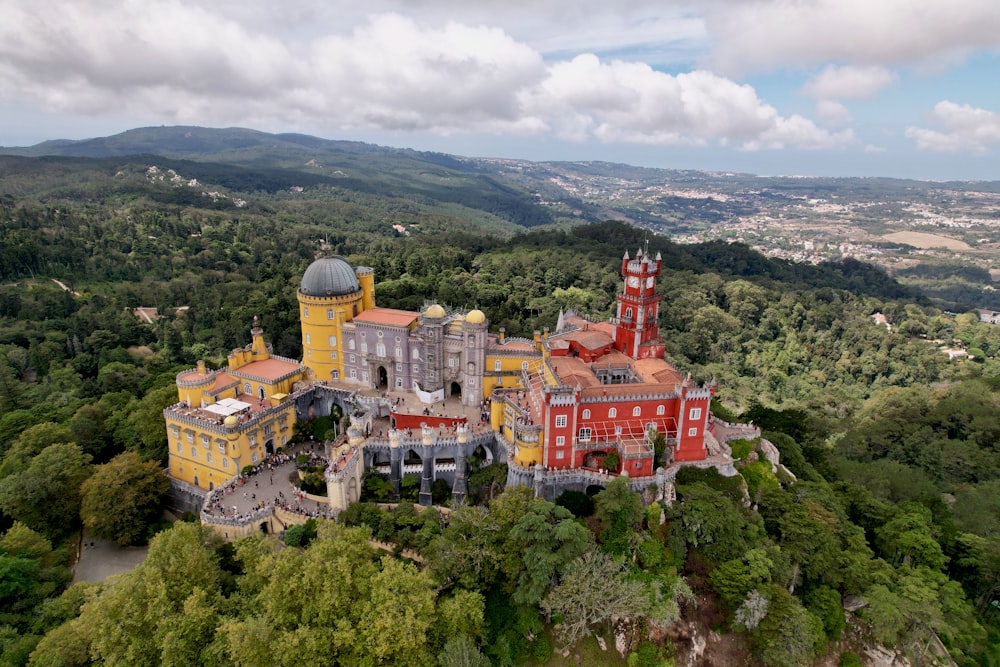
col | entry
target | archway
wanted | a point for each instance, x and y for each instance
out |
(456, 389)
(269, 447)
(383, 378)
(263, 527)
(594, 489)
(260, 393)
(594, 459)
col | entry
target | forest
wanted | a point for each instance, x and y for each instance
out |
(890, 506)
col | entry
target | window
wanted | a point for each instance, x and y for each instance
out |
(628, 313)
(268, 429)
(586, 414)
(350, 343)
(584, 435)
(333, 355)
(333, 341)
(176, 431)
(222, 448)
(180, 447)
(472, 340)
(399, 368)
(329, 313)
(524, 365)
(560, 440)
(399, 353)
(305, 311)
(208, 457)
(561, 421)
(470, 367)
(364, 347)
(204, 441)
(416, 353)
(364, 376)
(636, 411)
(247, 389)
(225, 463)
(618, 430)
(335, 374)
(560, 454)
(253, 440)
(353, 358)
(308, 339)
(194, 453)
(660, 409)
(379, 334)
(496, 365)
(452, 362)
(416, 369)
(397, 339)
(354, 374)
(692, 432)
(380, 349)
(399, 382)
(612, 413)
(190, 437)
(694, 414)
(254, 457)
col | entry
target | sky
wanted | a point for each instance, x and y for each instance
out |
(899, 88)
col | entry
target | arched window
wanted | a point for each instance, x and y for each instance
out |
(628, 313)
(416, 353)
(332, 341)
(661, 409)
(586, 414)
(636, 411)
(350, 343)
(335, 374)
(612, 413)
(247, 389)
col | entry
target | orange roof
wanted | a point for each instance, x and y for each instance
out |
(388, 316)
(222, 380)
(659, 371)
(572, 371)
(191, 376)
(269, 369)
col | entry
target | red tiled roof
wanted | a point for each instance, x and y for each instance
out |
(388, 316)
(222, 380)
(268, 369)
(658, 370)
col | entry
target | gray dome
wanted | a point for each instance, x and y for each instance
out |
(329, 276)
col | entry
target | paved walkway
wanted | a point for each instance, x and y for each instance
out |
(271, 486)
(100, 559)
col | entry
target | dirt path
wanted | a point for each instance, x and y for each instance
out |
(63, 285)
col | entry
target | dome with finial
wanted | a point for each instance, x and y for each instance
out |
(329, 276)
(475, 316)
(231, 421)
(435, 311)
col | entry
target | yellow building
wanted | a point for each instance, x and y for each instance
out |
(332, 293)
(228, 419)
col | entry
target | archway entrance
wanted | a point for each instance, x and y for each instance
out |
(456, 389)
(269, 447)
(383, 378)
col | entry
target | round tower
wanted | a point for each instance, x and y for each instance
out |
(332, 292)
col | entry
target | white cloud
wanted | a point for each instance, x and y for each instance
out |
(833, 113)
(848, 82)
(966, 129)
(756, 35)
(179, 62)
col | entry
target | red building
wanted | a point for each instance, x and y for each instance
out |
(605, 387)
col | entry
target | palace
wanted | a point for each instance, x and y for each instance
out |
(562, 401)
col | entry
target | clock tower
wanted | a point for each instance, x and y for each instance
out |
(636, 326)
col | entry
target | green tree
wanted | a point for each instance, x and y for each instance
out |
(594, 589)
(46, 496)
(124, 498)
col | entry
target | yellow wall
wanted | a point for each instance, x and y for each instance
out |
(509, 363)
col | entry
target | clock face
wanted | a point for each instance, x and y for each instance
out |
(650, 281)
(633, 282)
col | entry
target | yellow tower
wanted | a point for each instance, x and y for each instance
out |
(331, 293)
